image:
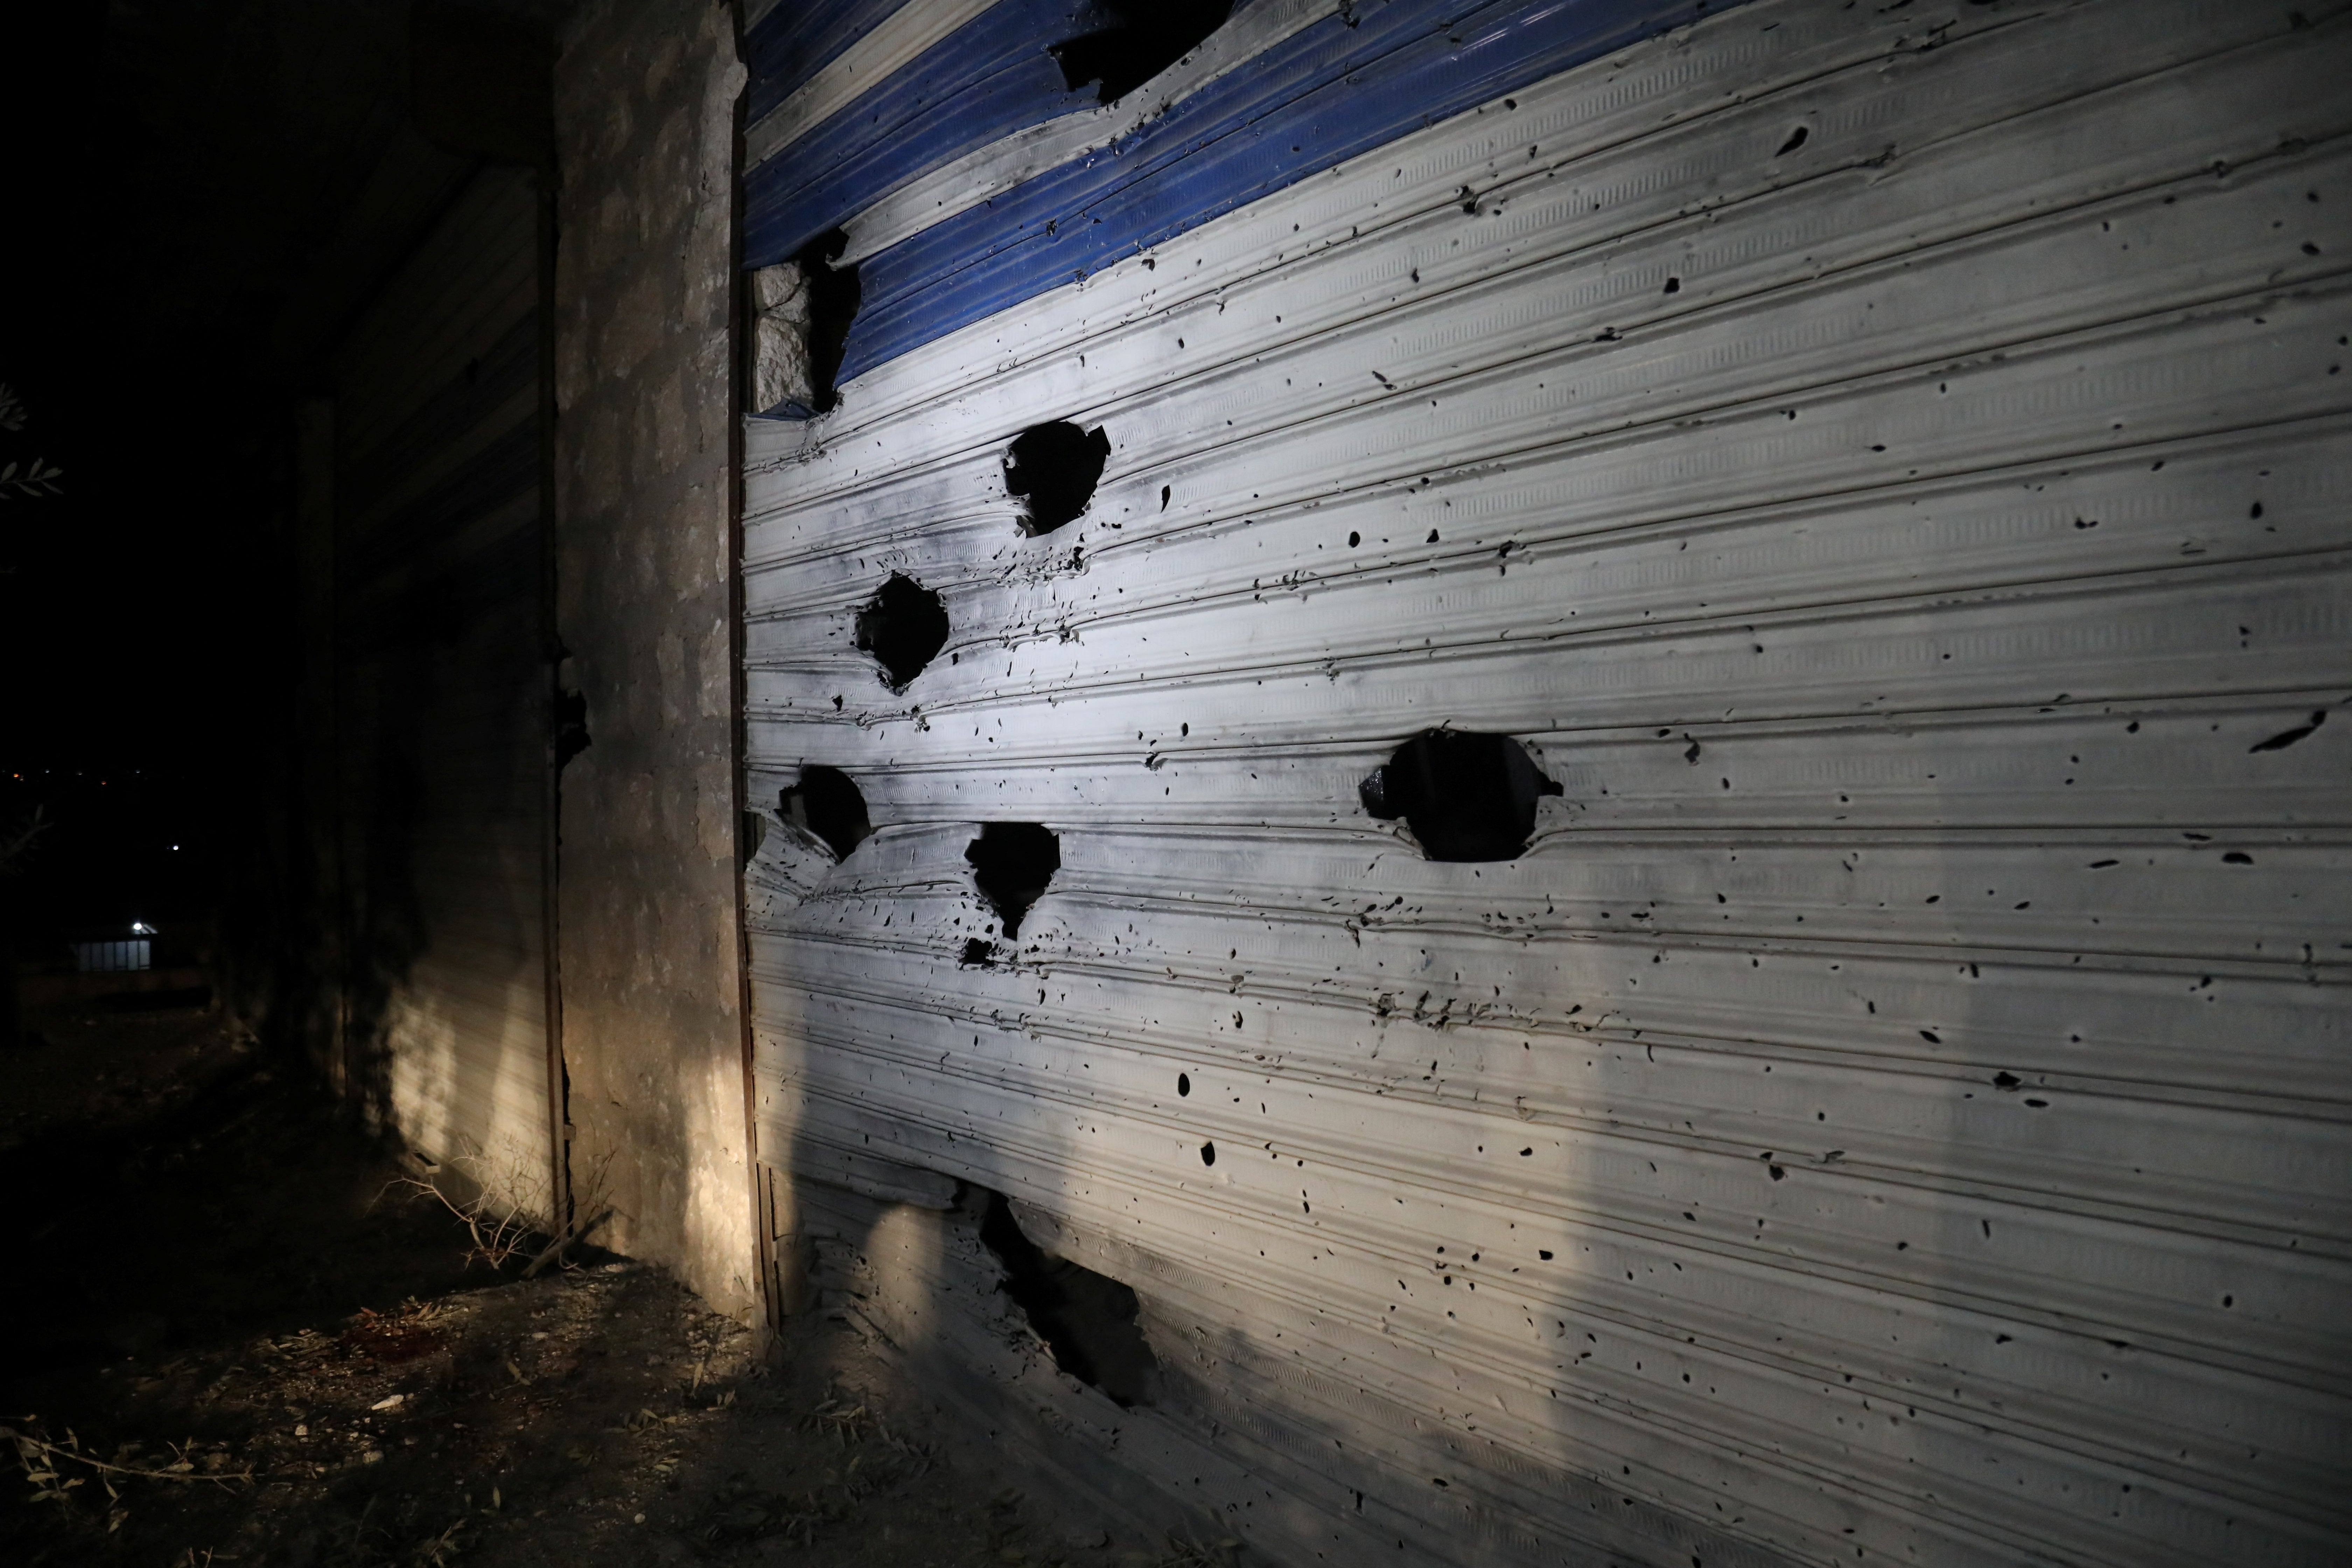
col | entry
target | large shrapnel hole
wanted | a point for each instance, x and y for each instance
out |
(827, 803)
(1087, 1319)
(903, 627)
(834, 294)
(1010, 864)
(1466, 796)
(1055, 468)
(1148, 36)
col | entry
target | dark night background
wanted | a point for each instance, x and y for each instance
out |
(171, 165)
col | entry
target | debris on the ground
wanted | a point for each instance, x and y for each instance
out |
(243, 1349)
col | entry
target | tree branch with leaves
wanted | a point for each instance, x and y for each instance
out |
(26, 478)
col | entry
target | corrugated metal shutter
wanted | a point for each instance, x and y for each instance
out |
(1890, 468)
(444, 695)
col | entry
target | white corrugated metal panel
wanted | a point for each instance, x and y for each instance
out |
(442, 695)
(1892, 472)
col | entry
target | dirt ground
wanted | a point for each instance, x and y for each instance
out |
(230, 1337)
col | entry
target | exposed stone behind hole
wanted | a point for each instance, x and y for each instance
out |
(1148, 36)
(1465, 796)
(801, 308)
(903, 627)
(1012, 862)
(1055, 468)
(828, 803)
(1087, 1319)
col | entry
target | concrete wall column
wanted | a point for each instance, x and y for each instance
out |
(645, 114)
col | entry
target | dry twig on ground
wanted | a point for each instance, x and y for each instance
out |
(497, 1216)
(47, 1468)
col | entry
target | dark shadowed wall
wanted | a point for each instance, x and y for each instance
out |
(439, 698)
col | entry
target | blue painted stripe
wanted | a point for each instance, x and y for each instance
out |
(1329, 93)
(990, 77)
(800, 38)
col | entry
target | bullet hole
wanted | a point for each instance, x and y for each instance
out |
(2286, 738)
(1465, 796)
(903, 627)
(1674, 285)
(1183, 1083)
(1354, 539)
(1148, 36)
(1165, 492)
(1010, 864)
(2237, 858)
(1208, 1153)
(1087, 1319)
(827, 803)
(1544, 1252)
(834, 294)
(1796, 139)
(2006, 1080)
(978, 954)
(1055, 468)
(571, 726)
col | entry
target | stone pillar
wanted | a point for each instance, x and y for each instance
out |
(645, 96)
